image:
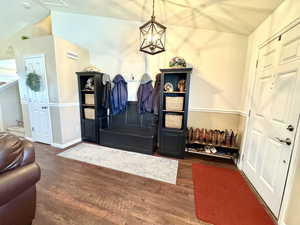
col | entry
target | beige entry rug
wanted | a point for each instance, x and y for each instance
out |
(153, 167)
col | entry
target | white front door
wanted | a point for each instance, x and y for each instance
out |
(274, 118)
(38, 102)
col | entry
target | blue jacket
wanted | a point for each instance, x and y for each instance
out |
(145, 99)
(119, 95)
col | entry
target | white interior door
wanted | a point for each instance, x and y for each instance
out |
(38, 102)
(274, 118)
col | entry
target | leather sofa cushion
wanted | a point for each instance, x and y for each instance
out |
(14, 152)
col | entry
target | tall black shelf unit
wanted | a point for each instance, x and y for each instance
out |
(90, 126)
(172, 141)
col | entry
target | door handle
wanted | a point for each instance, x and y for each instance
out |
(287, 141)
(290, 128)
(44, 107)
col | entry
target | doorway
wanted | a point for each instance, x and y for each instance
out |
(274, 117)
(38, 100)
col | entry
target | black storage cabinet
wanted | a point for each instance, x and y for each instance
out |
(129, 131)
(172, 140)
(90, 127)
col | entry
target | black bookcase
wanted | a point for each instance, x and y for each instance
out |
(90, 107)
(172, 140)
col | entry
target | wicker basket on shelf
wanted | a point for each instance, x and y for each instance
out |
(89, 99)
(89, 113)
(173, 121)
(174, 103)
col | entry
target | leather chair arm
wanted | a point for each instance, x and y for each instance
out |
(28, 154)
(17, 181)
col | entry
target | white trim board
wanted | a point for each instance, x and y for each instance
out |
(67, 104)
(295, 158)
(29, 139)
(217, 110)
(53, 104)
(66, 145)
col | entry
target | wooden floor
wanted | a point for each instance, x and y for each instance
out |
(76, 193)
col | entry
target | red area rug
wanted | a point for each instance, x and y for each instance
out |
(223, 197)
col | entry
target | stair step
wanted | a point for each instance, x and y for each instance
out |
(16, 129)
(17, 133)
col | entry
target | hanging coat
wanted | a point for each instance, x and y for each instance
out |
(144, 94)
(119, 95)
(156, 95)
(106, 95)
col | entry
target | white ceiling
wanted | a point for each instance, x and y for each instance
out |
(235, 16)
(14, 17)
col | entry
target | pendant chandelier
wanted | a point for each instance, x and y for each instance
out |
(153, 36)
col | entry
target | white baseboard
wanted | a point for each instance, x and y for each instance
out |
(29, 139)
(66, 145)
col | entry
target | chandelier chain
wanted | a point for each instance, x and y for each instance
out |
(153, 8)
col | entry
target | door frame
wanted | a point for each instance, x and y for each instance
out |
(43, 58)
(295, 154)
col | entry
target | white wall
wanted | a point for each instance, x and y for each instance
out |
(285, 14)
(218, 58)
(10, 106)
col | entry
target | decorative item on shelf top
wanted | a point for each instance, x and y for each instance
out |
(226, 138)
(153, 36)
(181, 85)
(89, 84)
(168, 87)
(177, 62)
(34, 82)
(91, 68)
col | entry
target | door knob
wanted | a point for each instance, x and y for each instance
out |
(287, 141)
(290, 128)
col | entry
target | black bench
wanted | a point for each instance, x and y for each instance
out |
(129, 131)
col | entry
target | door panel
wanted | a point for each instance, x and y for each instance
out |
(290, 46)
(38, 102)
(275, 106)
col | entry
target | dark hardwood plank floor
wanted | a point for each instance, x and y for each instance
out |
(76, 193)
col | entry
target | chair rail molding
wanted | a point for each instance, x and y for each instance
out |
(63, 104)
(218, 110)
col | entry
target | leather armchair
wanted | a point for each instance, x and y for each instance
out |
(18, 177)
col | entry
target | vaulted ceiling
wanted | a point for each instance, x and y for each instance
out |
(235, 16)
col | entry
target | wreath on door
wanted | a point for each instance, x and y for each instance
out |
(33, 81)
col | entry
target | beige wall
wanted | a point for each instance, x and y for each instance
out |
(42, 28)
(68, 88)
(62, 83)
(67, 68)
(213, 120)
(218, 58)
(285, 14)
(35, 46)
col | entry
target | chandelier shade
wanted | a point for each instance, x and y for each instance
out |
(152, 36)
